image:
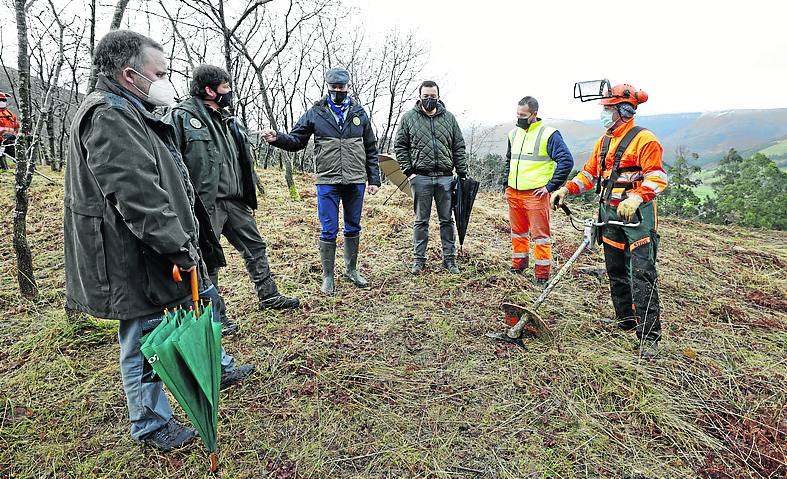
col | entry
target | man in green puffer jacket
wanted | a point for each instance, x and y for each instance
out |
(429, 146)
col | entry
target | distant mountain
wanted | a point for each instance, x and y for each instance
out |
(710, 134)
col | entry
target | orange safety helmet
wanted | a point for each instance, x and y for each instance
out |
(624, 93)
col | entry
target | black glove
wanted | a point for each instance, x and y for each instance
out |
(462, 175)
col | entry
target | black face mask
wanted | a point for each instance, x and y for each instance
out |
(429, 104)
(523, 123)
(224, 100)
(337, 97)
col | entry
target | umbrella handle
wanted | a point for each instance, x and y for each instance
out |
(194, 285)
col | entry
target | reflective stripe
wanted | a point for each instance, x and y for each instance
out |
(614, 244)
(522, 157)
(520, 255)
(659, 174)
(543, 262)
(652, 185)
(587, 175)
(630, 177)
(582, 187)
(517, 235)
(537, 145)
(542, 241)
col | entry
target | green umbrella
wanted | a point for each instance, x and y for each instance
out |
(185, 352)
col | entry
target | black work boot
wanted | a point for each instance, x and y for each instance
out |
(235, 375)
(328, 257)
(418, 266)
(449, 263)
(172, 435)
(351, 262)
(648, 349)
(278, 301)
(228, 327)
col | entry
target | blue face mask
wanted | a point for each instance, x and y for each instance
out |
(606, 119)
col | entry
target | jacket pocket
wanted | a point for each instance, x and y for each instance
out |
(87, 280)
(159, 287)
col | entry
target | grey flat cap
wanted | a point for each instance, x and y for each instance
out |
(337, 76)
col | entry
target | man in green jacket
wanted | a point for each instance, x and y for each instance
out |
(217, 152)
(130, 214)
(429, 146)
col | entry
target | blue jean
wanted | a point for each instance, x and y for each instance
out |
(148, 407)
(328, 199)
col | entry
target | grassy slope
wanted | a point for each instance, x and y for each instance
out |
(397, 380)
(777, 149)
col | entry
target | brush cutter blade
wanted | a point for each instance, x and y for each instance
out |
(534, 325)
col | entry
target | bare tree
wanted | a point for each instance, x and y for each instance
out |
(117, 18)
(25, 161)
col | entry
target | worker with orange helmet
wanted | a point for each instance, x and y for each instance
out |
(9, 129)
(626, 169)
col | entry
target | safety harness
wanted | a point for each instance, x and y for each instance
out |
(614, 174)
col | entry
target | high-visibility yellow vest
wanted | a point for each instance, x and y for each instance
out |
(531, 166)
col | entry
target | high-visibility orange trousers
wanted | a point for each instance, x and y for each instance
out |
(529, 216)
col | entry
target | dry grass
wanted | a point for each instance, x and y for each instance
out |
(398, 380)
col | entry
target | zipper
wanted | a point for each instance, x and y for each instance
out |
(516, 175)
(434, 144)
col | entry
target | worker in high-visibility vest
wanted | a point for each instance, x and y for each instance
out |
(9, 129)
(539, 162)
(632, 157)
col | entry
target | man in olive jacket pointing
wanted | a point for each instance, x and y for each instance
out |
(217, 153)
(429, 146)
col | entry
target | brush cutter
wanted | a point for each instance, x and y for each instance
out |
(522, 319)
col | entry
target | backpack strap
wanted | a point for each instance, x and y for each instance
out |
(615, 172)
(603, 158)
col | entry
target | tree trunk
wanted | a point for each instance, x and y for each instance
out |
(25, 163)
(117, 19)
(272, 119)
(54, 161)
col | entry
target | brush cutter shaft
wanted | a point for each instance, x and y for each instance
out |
(516, 330)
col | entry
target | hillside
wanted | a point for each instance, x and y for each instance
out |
(397, 381)
(711, 134)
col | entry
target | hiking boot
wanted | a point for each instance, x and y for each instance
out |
(648, 349)
(235, 375)
(541, 282)
(418, 266)
(351, 262)
(513, 270)
(279, 301)
(450, 265)
(172, 435)
(328, 258)
(228, 327)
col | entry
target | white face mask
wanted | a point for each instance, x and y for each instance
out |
(606, 118)
(3, 104)
(161, 92)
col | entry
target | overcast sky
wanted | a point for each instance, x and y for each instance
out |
(687, 55)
